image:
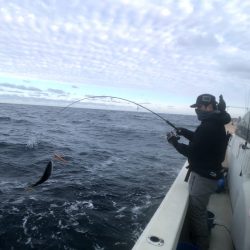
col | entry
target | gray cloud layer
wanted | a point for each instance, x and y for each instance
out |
(179, 47)
(20, 87)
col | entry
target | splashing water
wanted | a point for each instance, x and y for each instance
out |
(32, 142)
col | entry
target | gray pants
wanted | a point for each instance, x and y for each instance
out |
(200, 189)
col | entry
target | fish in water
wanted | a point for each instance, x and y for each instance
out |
(48, 171)
(46, 174)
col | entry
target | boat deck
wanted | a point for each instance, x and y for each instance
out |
(220, 238)
(220, 205)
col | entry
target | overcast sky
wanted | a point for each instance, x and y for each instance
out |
(161, 53)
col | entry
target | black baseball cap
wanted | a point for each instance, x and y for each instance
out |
(204, 99)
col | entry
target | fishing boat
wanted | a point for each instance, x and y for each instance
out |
(168, 229)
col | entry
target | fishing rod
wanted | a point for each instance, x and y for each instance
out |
(123, 99)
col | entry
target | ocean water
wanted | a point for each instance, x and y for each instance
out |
(119, 168)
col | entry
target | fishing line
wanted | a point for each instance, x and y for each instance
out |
(49, 167)
(248, 112)
(123, 99)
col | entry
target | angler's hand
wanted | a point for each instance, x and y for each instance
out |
(172, 138)
(221, 104)
(181, 131)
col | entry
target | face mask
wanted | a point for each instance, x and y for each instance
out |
(202, 115)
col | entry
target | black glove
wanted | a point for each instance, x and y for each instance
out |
(181, 131)
(221, 104)
(172, 138)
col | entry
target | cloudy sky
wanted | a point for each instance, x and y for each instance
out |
(161, 52)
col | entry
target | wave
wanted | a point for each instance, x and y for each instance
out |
(21, 122)
(5, 119)
(77, 122)
(56, 131)
(97, 154)
(14, 120)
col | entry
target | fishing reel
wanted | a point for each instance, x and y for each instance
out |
(172, 137)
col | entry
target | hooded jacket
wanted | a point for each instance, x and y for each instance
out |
(207, 145)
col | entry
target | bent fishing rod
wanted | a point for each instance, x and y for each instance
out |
(123, 99)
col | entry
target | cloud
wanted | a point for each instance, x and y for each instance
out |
(20, 87)
(57, 91)
(240, 68)
(178, 48)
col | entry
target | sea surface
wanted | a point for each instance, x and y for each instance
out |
(118, 170)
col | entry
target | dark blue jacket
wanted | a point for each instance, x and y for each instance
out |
(207, 146)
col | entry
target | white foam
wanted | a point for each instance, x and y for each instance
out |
(136, 209)
(25, 229)
(28, 241)
(61, 226)
(77, 206)
(83, 231)
(32, 142)
(119, 216)
(15, 209)
(34, 228)
(97, 247)
(54, 205)
(19, 200)
(121, 209)
(89, 204)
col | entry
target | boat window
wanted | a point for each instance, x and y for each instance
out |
(243, 127)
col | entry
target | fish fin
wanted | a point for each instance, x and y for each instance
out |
(45, 176)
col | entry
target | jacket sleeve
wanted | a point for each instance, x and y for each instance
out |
(188, 134)
(182, 148)
(225, 117)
